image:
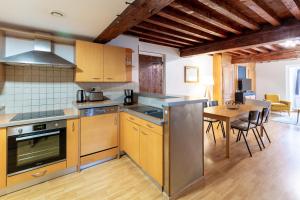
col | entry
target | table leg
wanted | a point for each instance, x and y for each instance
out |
(228, 126)
(298, 115)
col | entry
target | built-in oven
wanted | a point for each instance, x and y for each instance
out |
(35, 145)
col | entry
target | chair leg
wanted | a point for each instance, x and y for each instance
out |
(223, 129)
(266, 134)
(238, 136)
(219, 124)
(213, 131)
(208, 127)
(256, 139)
(233, 131)
(246, 143)
(262, 142)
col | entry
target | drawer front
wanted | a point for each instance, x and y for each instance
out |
(34, 174)
(151, 126)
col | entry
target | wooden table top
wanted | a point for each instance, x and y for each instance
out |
(224, 112)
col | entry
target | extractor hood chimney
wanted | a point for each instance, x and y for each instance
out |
(42, 55)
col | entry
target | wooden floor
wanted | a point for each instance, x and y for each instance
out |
(271, 174)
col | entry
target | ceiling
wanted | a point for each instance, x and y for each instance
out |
(192, 24)
(85, 18)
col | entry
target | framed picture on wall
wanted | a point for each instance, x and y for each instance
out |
(191, 74)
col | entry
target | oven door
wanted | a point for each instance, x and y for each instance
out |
(35, 149)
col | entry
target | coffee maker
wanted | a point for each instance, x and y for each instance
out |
(128, 100)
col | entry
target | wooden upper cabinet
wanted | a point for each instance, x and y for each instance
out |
(89, 60)
(114, 64)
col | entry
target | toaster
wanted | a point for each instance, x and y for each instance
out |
(96, 96)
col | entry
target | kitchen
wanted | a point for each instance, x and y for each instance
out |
(70, 105)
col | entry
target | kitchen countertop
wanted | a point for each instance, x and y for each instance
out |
(5, 119)
(149, 118)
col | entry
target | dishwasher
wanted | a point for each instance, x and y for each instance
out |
(98, 129)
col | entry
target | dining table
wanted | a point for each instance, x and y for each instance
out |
(228, 114)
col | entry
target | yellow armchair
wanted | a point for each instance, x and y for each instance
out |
(277, 104)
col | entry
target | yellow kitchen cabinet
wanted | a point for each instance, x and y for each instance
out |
(132, 140)
(151, 153)
(3, 161)
(114, 64)
(89, 61)
(72, 143)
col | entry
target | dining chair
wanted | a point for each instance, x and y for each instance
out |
(244, 127)
(213, 121)
(263, 120)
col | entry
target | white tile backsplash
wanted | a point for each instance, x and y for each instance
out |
(31, 88)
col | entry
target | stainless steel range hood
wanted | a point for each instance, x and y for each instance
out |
(42, 55)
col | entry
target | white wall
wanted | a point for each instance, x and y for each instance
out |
(271, 77)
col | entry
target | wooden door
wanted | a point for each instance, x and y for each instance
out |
(228, 83)
(89, 61)
(114, 64)
(72, 142)
(151, 153)
(98, 133)
(151, 74)
(132, 141)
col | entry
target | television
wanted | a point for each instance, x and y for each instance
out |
(244, 84)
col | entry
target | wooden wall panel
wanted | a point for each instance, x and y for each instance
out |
(251, 68)
(229, 78)
(2, 54)
(217, 76)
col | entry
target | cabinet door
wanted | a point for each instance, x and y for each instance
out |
(132, 141)
(98, 133)
(89, 60)
(72, 143)
(151, 153)
(114, 64)
(3, 153)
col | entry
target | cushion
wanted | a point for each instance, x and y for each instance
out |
(241, 125)
(279, 105)
(272, 97)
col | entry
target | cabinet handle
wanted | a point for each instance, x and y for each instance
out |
(134, 128)
(39, 174)
(108, 78)
(73, 127)
(144, 133)
(149, 126)
(96, 78)
(131, 118)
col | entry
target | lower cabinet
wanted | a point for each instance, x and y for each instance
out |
(3, 156)
(36, 173)
(72, 142)
(143, 142)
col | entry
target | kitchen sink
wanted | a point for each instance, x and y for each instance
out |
(149, 110)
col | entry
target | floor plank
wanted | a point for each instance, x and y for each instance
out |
(273, 173)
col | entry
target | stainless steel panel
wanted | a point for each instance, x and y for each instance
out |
(184, 153)
(98, 111)
(24, 129)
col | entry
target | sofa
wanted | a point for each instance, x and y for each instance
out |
(277, 104)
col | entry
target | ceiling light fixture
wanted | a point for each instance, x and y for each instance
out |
(57, 13)
(290, 43)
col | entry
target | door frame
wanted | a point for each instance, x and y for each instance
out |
(155, 54)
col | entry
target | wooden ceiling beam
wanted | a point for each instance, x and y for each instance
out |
(182, 18)
(271, 47)
(135, 13)
(268, 35)
(271, 56)
(262, 10)
(261, 50)
(156, 42)
(293, 7)
(241, 52)
(153, 39)
(157, 20)
(167, 31)
(223, 8)
(204, 15)
(249, 51)
(142, 32)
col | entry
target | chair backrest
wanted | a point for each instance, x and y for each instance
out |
(213, 103)
(253, 117)
(274, 98)
(265, 115)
